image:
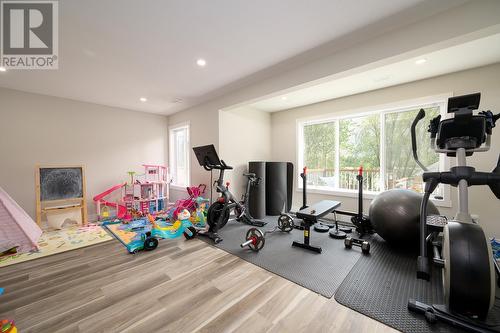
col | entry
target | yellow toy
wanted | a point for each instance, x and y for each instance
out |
(105, 212)
(174, 227)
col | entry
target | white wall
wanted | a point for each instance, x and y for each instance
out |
(484, 80)
(37, 129)
(244, 135)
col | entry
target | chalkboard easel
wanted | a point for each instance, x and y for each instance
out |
(60, 188)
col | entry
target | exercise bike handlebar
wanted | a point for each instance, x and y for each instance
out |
(420, 116)
(223, 166)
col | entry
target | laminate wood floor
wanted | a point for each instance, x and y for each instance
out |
(183, 286)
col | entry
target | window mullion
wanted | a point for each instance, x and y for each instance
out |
(188, 164)
(172, 156)
(382, 151)
(176, 159)
(300, 154)
(337, 154)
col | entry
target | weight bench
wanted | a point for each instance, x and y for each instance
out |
(310, 216)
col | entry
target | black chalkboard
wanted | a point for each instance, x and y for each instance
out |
(61, 183)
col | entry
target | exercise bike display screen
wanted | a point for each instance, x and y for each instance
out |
(206, 155)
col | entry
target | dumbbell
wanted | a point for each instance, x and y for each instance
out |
(349, 242)
(255, 239)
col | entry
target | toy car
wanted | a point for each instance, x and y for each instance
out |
(144, 242)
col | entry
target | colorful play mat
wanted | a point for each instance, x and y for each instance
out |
(52, 242)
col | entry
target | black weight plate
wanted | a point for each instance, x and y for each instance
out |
(321, 228)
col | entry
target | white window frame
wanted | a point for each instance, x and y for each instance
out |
(401, 106)
(172, 154)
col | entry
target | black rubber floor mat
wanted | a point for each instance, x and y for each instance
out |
(380, 285)
(321, 273)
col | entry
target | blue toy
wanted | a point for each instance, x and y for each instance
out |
(183, 226)
(144, 241)
(143, 234)
(135, 236)
(495, 245)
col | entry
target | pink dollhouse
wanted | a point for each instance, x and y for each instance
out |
(146, 193)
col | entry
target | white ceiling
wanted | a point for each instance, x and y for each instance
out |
(472, 54)
(114, 52)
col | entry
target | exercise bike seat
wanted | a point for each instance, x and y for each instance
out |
(250, 175)
(312, 213)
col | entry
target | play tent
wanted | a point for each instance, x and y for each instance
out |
(16, 226)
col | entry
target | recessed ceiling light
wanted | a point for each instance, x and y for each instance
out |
(3, 69)
(284, 98)
(420, 61)
(143, 99)
(201, 62)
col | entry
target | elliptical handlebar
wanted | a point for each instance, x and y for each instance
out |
(420, 116)
(490, 120)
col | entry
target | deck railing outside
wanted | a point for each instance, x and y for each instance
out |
(371, 179)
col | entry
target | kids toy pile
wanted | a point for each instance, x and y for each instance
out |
(141, 231)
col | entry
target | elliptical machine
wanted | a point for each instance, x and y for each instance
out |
(219, 211)
(466, 256)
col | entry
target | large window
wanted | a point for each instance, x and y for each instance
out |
(179, 155)
(334, 148)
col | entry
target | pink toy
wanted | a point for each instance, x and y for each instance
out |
(195, 192)
(146, 194)
(121, 210)
(188, 203)
(16, 226)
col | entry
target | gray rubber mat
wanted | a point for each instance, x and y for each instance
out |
(321, 273)
(380, 285)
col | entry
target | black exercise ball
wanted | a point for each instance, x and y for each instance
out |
(395, 215)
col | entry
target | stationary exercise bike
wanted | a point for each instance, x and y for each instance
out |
(466, 256)
(220, 210)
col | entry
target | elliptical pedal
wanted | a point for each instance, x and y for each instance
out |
(436, 221)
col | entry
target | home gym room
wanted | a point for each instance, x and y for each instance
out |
(236, 166)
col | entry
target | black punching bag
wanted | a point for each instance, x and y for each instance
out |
(257, 203)
(276, 187)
